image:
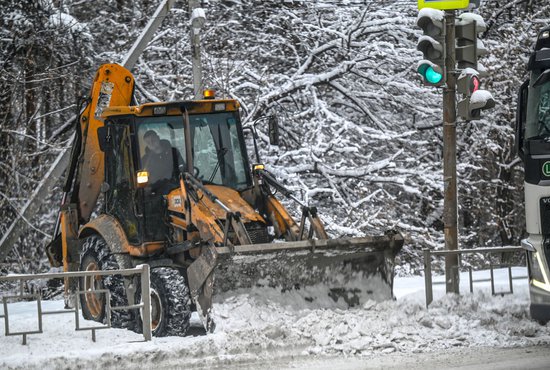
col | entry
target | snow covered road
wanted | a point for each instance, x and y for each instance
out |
(465, 358)
(264, 327)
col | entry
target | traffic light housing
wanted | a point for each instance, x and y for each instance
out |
(444, 4)
(474, 99)
(468, 48)
(432, 45)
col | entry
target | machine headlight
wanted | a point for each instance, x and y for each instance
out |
(142, 178)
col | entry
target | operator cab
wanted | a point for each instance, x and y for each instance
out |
(533, 147)
(146, 151)
(217, 153)
(533, 116)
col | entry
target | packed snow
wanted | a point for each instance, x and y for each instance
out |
(480, 22)
(434, 14)
(265, 324)
(481, 96)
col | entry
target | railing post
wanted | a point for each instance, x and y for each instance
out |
(428, 276)
(143, 270)
(6, 318)
(146, 298)
(510, 279)
(492, 279)
(471, 279)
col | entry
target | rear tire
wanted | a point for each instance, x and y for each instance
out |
(96, 255)
(170, 303)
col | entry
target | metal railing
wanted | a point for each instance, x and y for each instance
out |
(145, 305)
(428, 268)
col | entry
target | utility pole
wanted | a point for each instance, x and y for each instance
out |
(446, 41)
(196, 21)
(450, 213)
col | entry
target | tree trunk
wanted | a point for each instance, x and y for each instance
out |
(31, 105)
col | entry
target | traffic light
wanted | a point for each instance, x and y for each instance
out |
(468, 48)
(474, 100)
(432, 45)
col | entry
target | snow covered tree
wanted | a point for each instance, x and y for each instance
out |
(43, 50)
(360, 137)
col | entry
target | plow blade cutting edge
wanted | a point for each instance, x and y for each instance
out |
(350, 270)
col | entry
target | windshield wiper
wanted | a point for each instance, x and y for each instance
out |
(220, 155)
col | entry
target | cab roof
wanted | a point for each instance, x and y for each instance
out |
(173, 108)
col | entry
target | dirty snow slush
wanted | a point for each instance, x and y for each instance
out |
(265, 326)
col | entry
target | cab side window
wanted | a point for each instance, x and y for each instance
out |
(119, 198)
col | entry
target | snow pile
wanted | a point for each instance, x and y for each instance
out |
(266, 325)
(404, 325)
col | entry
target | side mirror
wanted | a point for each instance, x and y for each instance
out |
(273, 130)
(521, 118)
(254, 138)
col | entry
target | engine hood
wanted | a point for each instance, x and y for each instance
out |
(230, 197)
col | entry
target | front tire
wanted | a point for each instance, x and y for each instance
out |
(170, 303)
(95, 256)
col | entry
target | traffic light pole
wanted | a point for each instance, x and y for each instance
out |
(450, 214)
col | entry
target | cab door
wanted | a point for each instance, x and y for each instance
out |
(120, 195)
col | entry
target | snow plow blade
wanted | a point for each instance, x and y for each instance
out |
(352, 270)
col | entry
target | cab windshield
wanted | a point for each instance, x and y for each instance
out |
(538, 108)
(217, 153)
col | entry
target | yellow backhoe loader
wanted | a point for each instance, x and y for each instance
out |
(170, 184)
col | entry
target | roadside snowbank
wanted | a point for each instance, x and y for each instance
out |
(264, 324)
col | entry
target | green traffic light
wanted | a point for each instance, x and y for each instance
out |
(432, 76)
